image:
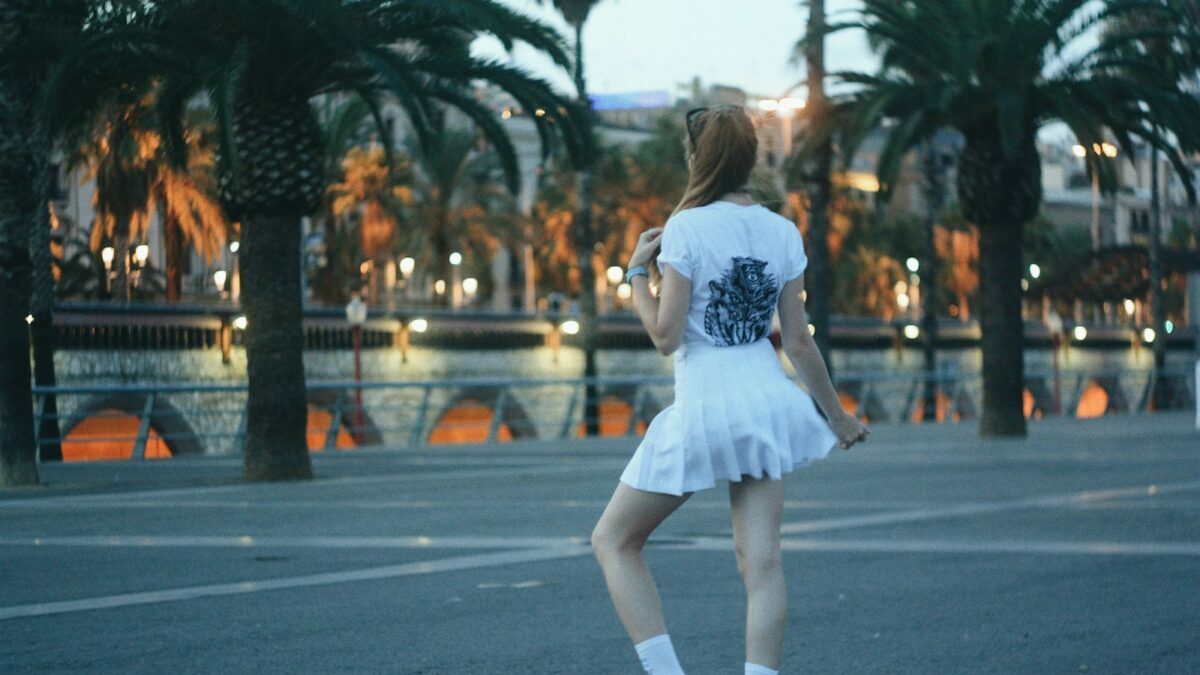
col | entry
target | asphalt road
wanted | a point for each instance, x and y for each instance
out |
(925, 551)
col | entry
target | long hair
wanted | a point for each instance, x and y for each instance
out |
(724, 148)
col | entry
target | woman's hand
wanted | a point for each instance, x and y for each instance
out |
(647, 245)
(849, 430)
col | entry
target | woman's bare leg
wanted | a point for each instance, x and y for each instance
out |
(757, 506)
(617, 540)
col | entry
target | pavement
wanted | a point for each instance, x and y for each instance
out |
(927, 550)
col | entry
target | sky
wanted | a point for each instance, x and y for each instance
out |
(640, 45)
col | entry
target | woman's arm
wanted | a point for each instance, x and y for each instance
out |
(802, 351)
(663, 317)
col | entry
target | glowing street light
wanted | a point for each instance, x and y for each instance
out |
(407, 265)
(1148, 334)
(142, 253)
(615, 274)
(624, 291)
(912, 332)
(913, 265)
(456, 258)
(219, 278)
(418, 325)
(1129, 306)
(234, 246)
(106, 254)
(1035, 270)
(570, 327)
(240, 323)
(1080, 333)
(470, 285)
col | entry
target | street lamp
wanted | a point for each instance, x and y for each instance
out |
(356, 316)
(470, 285)
(785, 109)
(106, 254)
(219, 278)
(456, 259)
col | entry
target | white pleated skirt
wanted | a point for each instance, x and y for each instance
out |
(735, 413)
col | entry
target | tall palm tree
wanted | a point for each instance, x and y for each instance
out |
(458, 205)
(135, 180)
(261, 64)
(998, 71)
(372, 194)
(18, 199)
(33, 34)
(576, 13)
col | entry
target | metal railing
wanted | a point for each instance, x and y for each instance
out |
(159, 420)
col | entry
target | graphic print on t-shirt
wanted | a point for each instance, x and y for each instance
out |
(742, 303)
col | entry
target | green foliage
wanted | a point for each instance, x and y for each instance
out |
(286, 52)
(998, 71)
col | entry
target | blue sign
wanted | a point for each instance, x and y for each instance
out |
(630, 101)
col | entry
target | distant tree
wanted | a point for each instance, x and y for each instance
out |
(261, 64)
(372, 195)
(997, 72)
(135, 181)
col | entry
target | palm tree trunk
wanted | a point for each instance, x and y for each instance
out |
(173, 243)
(42, 331)
(934, 197)
(277, 407)
(1003, 330)
(120, 284)
(18, 453)
(1158, 319)
(584, 246)
(819, 188)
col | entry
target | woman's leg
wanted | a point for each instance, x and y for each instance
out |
(617, 540)
(757, 506)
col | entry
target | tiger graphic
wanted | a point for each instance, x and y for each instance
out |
(742, 303)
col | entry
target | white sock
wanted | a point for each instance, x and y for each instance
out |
(755, 669)
(658, 656)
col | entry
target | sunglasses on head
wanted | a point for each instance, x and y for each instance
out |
(688, 119)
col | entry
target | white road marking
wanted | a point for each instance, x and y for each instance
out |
(249, 541)
(945, 546)
(386, 504)
(242, 587)
(260, 490)
(976, 508)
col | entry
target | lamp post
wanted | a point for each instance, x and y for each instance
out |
(1054, 325)
(356, 316)
(106, 255)
(407, 265)
(235, 276)
(456, 259)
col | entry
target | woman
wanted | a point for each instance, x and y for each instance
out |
(725, 264)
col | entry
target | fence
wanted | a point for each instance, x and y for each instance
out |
(158, 421)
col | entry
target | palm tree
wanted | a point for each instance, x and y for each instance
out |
(816, 171)
(261, 64)
(997, 72)
(134, 180)
(576, 13)
(459, 205)
(33, 34)
(372, 194)
(18, 454)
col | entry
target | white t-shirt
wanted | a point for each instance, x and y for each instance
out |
(738, 258)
